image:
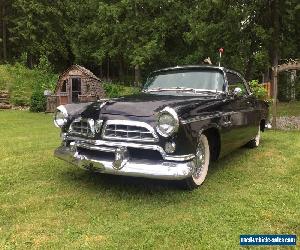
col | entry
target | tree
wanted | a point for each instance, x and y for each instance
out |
(121, 39)
(5, 7)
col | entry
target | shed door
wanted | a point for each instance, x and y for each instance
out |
(76, 89)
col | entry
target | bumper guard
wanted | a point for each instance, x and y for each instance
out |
(159, 169)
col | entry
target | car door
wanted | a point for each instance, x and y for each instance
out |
(238, 119)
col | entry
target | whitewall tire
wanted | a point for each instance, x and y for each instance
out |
(201, 164)
(254, 143)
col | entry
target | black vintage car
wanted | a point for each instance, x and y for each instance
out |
(184, 118)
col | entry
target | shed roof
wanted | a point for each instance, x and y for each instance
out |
(80, 68)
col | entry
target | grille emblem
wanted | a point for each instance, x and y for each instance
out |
(121, 158)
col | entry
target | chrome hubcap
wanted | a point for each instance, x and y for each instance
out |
(199, 161)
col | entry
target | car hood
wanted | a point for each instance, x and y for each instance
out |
(146, 105)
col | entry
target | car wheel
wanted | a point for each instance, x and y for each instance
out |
(201, 163)
(254, 143)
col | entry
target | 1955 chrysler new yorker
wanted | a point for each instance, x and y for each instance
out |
(184, 118)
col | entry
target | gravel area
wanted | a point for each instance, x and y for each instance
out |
(288, 123)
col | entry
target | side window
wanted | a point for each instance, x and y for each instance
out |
(234, 81)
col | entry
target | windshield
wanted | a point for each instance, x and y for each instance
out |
(207, 80)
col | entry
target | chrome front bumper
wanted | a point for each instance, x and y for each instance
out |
(160, 169)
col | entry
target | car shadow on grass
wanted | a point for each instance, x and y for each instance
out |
(97, 182)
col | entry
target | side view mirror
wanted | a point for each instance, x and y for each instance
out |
(237, 91)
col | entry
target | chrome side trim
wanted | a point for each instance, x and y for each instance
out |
(116, 144)
(130, 123)
(206, 117)
(199, 118)
(138, 168)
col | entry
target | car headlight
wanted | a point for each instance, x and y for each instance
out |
(167, 122)
(60, 116)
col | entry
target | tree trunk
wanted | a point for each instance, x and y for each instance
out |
(275, 55)
(101, 70)
(30, 60)
(293, 77)
(121, 70)
(4, 34)
(108, 73)
(249, 66)
(137, 75)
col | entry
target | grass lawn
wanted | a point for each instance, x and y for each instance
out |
(46, 203)
(288, 109)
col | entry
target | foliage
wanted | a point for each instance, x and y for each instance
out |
(48, 204)
(116, 38)
(44, 64)
(21, 82)
(113, 90)
(153, 33)
(38, 101)
(258, 90)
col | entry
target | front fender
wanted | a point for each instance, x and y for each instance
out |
(190, 130)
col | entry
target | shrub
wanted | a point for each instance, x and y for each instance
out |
(38, 101)
(20, 100)
(116, 90)
(258, 90)
(21, 82)
(112, 90)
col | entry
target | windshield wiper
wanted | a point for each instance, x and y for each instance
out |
(206, 91)
(184, 89)
(170, 89)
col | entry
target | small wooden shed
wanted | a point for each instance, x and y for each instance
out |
(76, 84)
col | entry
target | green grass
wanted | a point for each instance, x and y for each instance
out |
(46, 203)
(288, 108)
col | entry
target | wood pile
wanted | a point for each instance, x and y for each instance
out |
(4, 100)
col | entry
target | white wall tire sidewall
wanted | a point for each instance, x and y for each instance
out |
(198, 181)
(257, 138)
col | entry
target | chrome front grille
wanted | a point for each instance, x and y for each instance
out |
(129, 131)
(82, 127)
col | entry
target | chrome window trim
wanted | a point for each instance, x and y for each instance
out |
(130, 123)
(97, 144)
(248, 90)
